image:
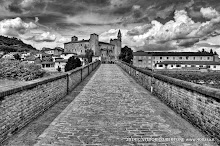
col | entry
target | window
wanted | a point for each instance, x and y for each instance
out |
(167, 57)
(81, 51)
(161, 57)
(187, 57)
(193, 66)
(180, 57)
(171, 65)
(185, 65)
(200, 65)
(174, 58)
(194, 58)
(177, 65)
(214, 66)
(47, 65)
(140, 60)
(200, 58)
(208, 58)
(208, 66)
(160, 65)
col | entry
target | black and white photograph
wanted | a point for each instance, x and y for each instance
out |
(109, 73)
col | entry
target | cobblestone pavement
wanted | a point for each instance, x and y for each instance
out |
(113, 110)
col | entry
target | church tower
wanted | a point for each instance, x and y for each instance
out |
(119, 35)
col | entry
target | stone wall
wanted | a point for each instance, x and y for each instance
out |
(21, 104)
(198, 104)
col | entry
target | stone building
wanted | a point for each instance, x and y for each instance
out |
(105, 51)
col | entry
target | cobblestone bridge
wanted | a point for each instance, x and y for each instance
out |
(112, 109)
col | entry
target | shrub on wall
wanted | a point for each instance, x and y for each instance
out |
(14, 69)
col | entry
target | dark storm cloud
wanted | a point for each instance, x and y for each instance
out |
(63, 25)
(51, 18)
(122, 10)
(15, 8)
(149, 10)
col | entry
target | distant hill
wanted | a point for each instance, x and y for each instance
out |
(14, 45)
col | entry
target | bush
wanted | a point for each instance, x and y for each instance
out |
(14, 69)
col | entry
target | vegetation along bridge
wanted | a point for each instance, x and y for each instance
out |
(115, 109)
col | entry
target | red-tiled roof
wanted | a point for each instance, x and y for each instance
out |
(191, 62)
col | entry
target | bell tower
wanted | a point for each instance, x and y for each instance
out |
(119, 35)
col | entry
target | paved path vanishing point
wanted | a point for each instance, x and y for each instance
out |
(113, 110)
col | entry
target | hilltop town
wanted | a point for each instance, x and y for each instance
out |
(51, 60)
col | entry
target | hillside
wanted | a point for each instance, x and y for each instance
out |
(14, 45)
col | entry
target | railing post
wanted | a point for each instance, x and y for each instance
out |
(67, 90)
(88, 69)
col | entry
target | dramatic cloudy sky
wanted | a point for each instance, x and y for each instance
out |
(158, 25)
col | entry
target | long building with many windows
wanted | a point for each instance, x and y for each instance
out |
(175, 60)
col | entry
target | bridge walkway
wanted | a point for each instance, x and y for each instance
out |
(113, 110)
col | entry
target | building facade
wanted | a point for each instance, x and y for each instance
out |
(155, 60)
(107, 51)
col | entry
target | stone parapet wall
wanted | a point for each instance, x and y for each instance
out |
(21, 104)
(198, 104)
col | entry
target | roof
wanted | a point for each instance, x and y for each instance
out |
(46, 49)
(61, 60)
(56, 55)
(47, 62)
(30, 58)
(93, 34)
(69, 53)
(45, 54)
(106, 43)
(58, 48)
(143, 53)
(182, 54)
(191, 62)
(82, 41)
(81, 56)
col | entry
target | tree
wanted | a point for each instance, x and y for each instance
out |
(17, 56)
(126, 54)
(59, 69)
(203, 50)
(89, 54)
(211, 51)
(72, 63)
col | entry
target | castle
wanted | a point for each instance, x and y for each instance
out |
(102, 50)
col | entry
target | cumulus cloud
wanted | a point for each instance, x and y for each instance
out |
(209, 13)
(43, 37)
(15, 27)
(63, 40)
(180, 32)
(139, 30)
